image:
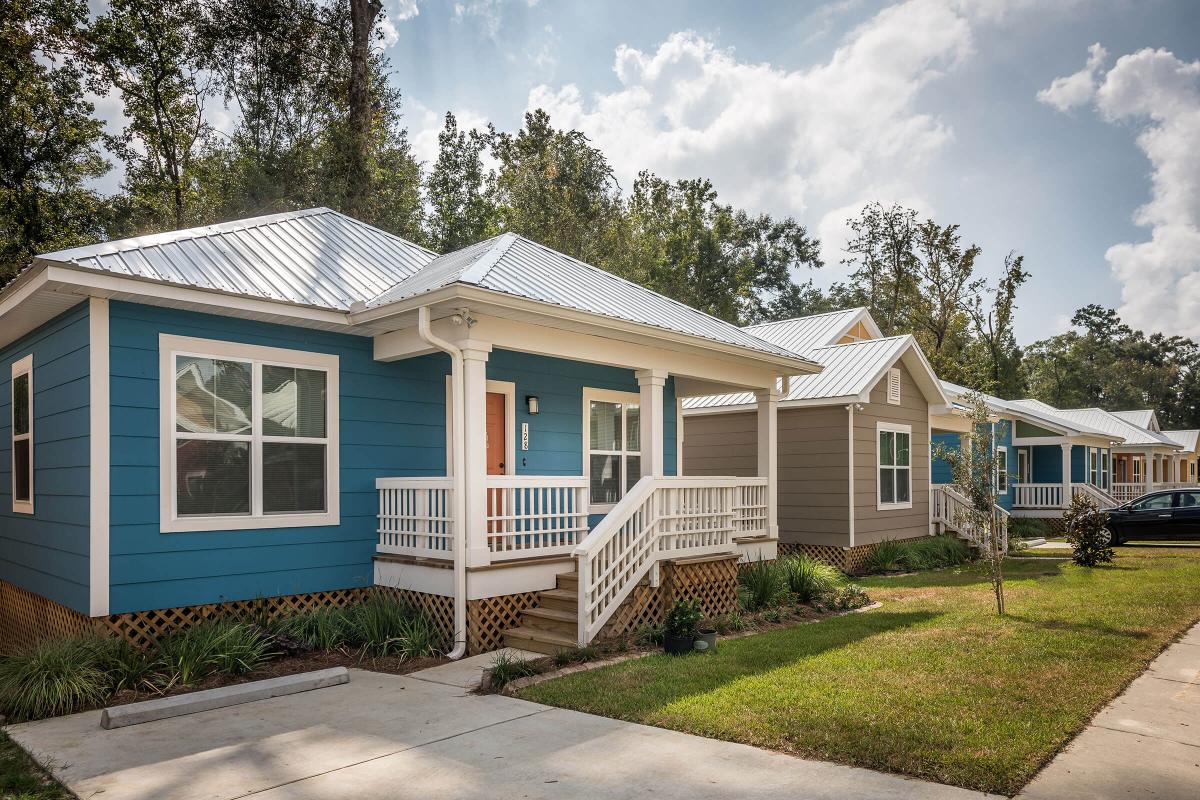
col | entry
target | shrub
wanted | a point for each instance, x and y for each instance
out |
(683, 618)
(761, 584)
(126, 666)
(650, 635)
(59, 676)
(505, 669)
(1028, 528)
(386, 626)
(1087, 531)
(806, 577)
(217, 645)
(576, 655)
(887, 556)
(324, 628)
(843, 598)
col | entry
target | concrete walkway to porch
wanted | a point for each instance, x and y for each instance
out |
(424, 736)
(1146, 743)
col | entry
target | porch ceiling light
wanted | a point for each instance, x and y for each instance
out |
(531, 402)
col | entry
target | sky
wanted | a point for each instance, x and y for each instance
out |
(1065, 130)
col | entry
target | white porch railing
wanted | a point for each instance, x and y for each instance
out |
(659, 519)
(535, 515)
(950, 507)
(415, 516)
(1124, 492)
(1037, 495)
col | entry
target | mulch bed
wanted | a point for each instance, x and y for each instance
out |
(286, 665)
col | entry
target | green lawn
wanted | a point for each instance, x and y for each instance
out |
(22, 779)
(933, 684)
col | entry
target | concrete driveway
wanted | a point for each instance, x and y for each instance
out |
(424, 736)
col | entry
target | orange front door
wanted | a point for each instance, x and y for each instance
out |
(496, 434)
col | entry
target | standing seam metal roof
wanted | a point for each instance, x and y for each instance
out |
(514, 265)
(1111, 423)
(1188, 439)
(849, 370)
(316, 257)
(802, 334)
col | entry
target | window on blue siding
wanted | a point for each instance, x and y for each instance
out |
(22, 435)
(614, 442)
(251, 438)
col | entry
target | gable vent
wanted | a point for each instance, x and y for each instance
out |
(893, 389)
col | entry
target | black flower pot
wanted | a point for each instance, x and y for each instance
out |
(677, 645)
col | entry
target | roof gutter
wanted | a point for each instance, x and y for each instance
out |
(458, 465)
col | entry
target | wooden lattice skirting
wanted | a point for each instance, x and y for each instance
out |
(851, 560)
(27, 618)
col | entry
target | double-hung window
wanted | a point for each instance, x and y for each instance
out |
(1002, 470)
(250, 436)
(22, 435)
(895, 465)
(613, 461)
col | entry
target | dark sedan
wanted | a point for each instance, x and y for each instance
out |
(1158, 516)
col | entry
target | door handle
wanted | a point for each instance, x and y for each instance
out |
(1160, 516)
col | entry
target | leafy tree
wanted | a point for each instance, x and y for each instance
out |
(945, 289)
(554, 187)
(148, 51)
(974, 469)
(363, 16)
(882, 253)
(461, 212)
(49, 140)
(998, 362)
(1106, 363)
(723, 261)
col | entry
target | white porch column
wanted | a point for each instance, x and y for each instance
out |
(651, 382)
(1148, 469)
(1066, 475)
(475, 357)
(768, 453)
(1175, 469)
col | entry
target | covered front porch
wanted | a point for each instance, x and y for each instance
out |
(1139, 472)
(562, 470)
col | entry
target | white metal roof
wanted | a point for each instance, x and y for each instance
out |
(849, 371)
(316, 257)
(1111, 423)
(1143, 418)
(803, 334)
(1188, 439)
(1033, 411)
(514, 265)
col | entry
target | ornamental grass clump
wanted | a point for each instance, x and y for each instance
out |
(325, 628)
(217, 645)
(761, 584)
(807, 578)
(887, 556)
(385, 626)
(1088, 532)
(58, 676)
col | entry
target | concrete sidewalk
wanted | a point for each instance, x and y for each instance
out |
(424, 736)
(1146, 743)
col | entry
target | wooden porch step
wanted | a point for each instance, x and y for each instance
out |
(551, 619)
(559, 599)
(538, 640)
(568, 581)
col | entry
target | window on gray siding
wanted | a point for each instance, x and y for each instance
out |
(895, 479)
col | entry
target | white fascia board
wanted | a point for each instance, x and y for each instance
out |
(501, 301)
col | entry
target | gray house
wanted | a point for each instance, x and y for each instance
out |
(853, 440)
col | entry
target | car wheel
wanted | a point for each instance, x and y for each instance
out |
(1114, 538)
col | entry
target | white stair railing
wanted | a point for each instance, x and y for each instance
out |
(1101, 498)
(950, 507)
(659, 519)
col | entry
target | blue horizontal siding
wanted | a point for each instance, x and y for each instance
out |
(47, 552)
(392, 424)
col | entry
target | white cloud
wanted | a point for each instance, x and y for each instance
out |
(1160, 277)
(395, 12)
(488, 12)
(781, 140)
(424, 124)
(1072, 91)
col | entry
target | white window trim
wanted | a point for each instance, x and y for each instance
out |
(509, 390)
(169, 347)
(606, 396)
(1002, 449)
(23, 366)
(880, 427)
(1023, 472)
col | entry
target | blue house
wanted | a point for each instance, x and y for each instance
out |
(295, 408)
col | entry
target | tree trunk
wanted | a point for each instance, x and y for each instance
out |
(363, 14)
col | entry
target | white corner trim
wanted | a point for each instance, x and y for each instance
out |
(880, 427)
(23, 366)
(850, 466)
(100, 464)
(170, 346)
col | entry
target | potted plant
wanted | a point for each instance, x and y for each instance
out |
(681, 624)
(706, 638)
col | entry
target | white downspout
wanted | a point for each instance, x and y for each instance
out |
(458, 471)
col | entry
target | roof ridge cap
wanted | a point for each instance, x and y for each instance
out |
(806, 316)
(482, 265)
